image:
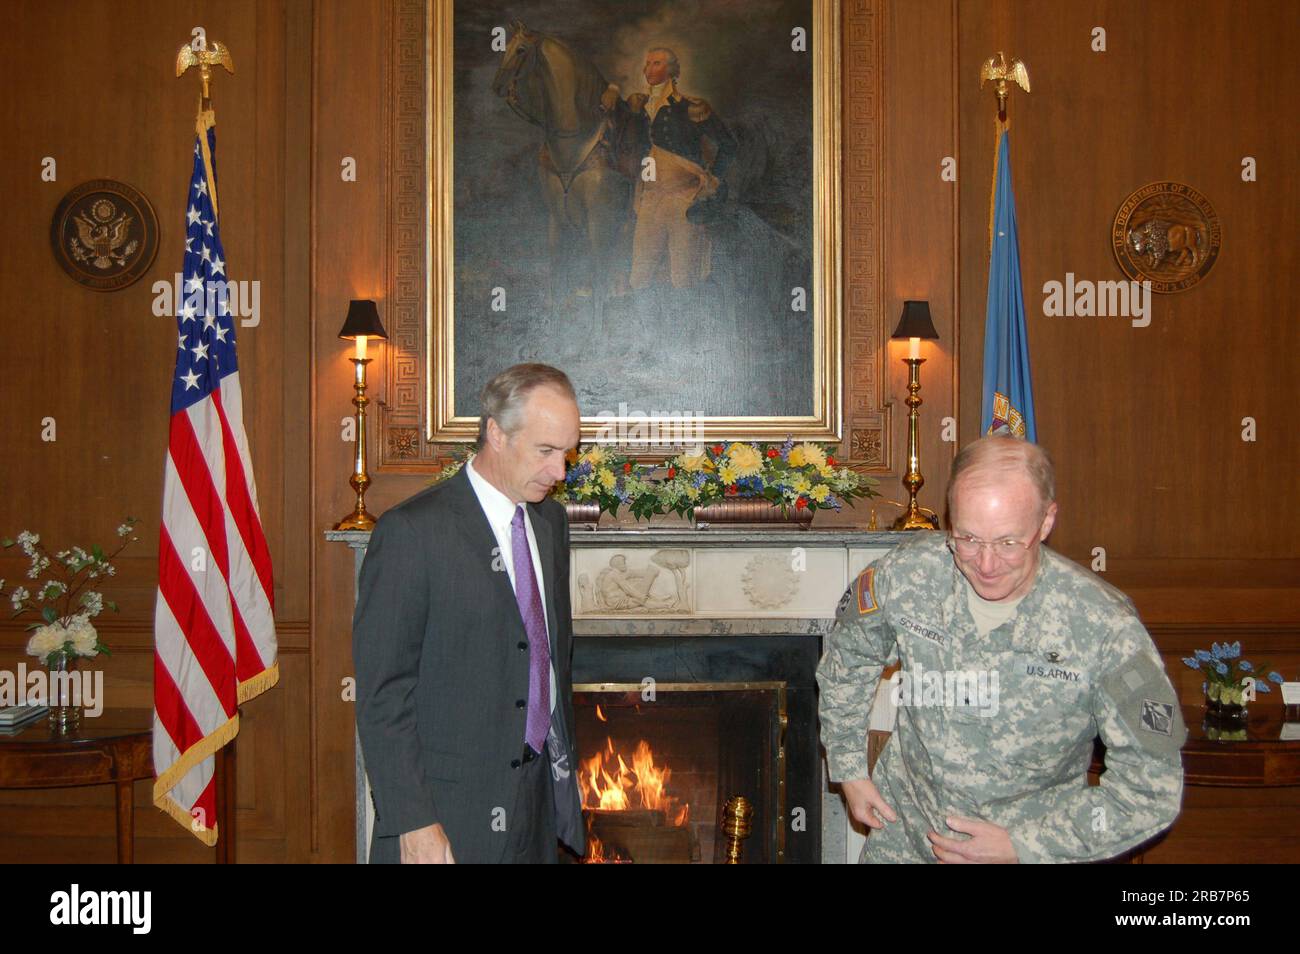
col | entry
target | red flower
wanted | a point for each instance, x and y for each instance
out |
(773, 452)
(800, 504)
(732, 489)
(627, 467)
(672, 472)
(717, 449)
(830, 461)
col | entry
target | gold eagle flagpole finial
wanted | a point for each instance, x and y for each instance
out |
(199, 52)
(204, 55)
(997, 69)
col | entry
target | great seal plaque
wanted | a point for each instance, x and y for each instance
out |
(104, 234)
(1166, 233)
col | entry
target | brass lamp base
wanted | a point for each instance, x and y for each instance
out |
(916, 518)
(359, 519)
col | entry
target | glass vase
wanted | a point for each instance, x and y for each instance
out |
(64, 693)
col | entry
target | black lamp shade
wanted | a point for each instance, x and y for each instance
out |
(363, 319)
(915, 322)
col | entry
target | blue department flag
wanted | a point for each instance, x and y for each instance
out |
(214, 632)
(1008, 406)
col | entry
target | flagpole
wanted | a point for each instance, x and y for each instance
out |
(997, 70)
(1007, 388)
(199, 682)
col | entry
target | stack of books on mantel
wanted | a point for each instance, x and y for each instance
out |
(14, 718)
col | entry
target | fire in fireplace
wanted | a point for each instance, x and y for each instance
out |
(657, 763)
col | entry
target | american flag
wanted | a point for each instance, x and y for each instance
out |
(214, 632)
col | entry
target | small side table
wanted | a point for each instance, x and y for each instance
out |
(1268, 756)
(115, 748)
(1263, 759)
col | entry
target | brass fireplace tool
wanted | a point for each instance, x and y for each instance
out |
(737, 815)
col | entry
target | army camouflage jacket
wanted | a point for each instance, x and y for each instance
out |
(1001, 727)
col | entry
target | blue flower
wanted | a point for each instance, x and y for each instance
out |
(1191, 662)
(1262, 686)
(1245, 666)
(1217, 650)
(1276, 677)
(1232, 651)
(786, 448)
(1203, 656)
(1204, 686)
(1221, 668)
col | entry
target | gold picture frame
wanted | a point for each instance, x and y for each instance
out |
(825, 423)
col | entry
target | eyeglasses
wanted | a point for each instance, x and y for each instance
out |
(1007, 550)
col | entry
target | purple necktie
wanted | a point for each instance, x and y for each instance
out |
(539, 650)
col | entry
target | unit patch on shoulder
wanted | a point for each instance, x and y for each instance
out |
(866, 592)
(1157, 717)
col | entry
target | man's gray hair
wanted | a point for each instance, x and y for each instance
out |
(503, 397)
(674, 68)
(1001, 453)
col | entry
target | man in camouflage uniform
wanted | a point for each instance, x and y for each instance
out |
(1013, 659)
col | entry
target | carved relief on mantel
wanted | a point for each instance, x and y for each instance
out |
(638, 582)
(770, 580)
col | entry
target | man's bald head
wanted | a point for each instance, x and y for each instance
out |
(1000, 501)
(993, 460)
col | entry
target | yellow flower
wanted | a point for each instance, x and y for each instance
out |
(606, 477)
(826, 470)
(795, 458)
(693, 493)
(820, 492)
(745, 459)
(800, 484)
(693, 462)
(727, 474)
(594, 456)
(809, 454)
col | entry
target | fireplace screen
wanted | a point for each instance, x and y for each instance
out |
(658, 763)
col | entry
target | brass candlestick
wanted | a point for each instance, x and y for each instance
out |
(914, 517)
(737, 816)
(360, 518)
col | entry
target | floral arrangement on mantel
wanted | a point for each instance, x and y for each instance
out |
(1225, 671)
(790, 476)
(64, 602)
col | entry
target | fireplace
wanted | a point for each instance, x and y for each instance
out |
(669, 729)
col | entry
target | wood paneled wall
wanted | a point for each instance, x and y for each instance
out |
(1144, 423)
(92, 85)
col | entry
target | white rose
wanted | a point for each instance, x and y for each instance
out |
(84, 640)
(45, 640)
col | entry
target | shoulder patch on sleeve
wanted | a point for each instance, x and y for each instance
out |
(866, 591)
(1146, 704)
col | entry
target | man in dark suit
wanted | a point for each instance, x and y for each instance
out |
(462, 641)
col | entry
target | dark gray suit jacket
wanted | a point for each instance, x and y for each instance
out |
(442, 663)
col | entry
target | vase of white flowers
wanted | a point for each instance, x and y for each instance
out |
(66, 605)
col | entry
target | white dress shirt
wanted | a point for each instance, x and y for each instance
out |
(500, 513)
